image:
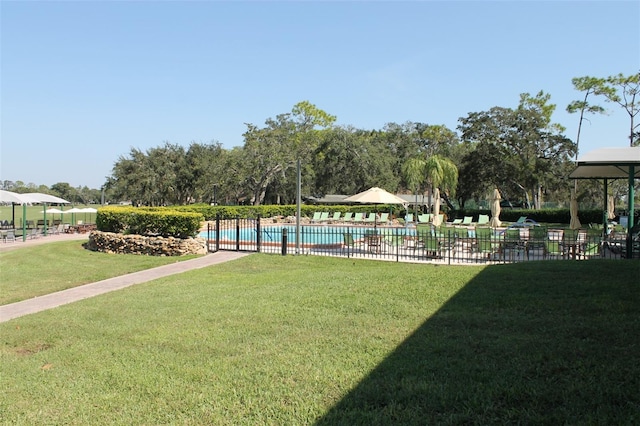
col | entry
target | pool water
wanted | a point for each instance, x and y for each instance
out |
(312, 235)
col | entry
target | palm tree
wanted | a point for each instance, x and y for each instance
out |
(413, 171)
(437, 171)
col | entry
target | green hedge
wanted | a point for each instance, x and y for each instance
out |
(162, 221)
(544, 216)
(232, 212)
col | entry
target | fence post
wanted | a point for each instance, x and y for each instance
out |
(237, 233)
(258, 235)
(217, 231)
(284, 241)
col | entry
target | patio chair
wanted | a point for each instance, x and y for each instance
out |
(592, 246)
(432, 246)
(9, 236)
(463, 238)
(349, 243)
(485, 242)
(570, 244)
(373, 242)
(536, 241)
(512, 243)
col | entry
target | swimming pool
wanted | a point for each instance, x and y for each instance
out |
(311, 235)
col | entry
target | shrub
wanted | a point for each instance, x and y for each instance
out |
(164, 221)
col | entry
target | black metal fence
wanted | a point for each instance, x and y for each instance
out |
(443, 244)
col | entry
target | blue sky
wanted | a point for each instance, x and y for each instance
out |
(84, 82)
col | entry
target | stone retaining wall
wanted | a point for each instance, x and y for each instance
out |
(109, 242)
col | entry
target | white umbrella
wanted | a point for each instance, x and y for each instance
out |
(436, 207)
(495, 209)
(88, 210)
(53, 211)
(573, 210)
(375, 196)
(74, 210)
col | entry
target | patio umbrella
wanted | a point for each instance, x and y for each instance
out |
(89, 210)
(573, 210)
(73, 212)
(495, 209)
(375, 195)
(436, 207)
(611, 207)
(53, 211)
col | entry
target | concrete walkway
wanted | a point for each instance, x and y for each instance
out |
(41, 303)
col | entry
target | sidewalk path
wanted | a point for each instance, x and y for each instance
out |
(41, 303)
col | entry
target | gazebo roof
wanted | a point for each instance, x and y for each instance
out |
(608, 163)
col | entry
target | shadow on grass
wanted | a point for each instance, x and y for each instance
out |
(550, 343)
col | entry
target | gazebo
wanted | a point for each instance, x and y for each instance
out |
(612, 163)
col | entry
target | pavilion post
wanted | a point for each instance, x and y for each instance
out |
(605, 213)
(631, 212)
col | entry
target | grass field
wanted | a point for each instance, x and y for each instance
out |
(52, 267)
(311, 340)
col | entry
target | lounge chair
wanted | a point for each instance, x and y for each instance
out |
(524, 221)
(408, 218)
(316, 217)
(384, 218)
(336, 216)
(347, 217)
(468, 220)
(483, 219)
(370, 219)
(457, 221)
(358, 218)
(424, 218)
(324, 216)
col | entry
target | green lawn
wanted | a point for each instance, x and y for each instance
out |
(311, 340)
(33, 271)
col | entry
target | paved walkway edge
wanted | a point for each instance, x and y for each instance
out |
(48, 301)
